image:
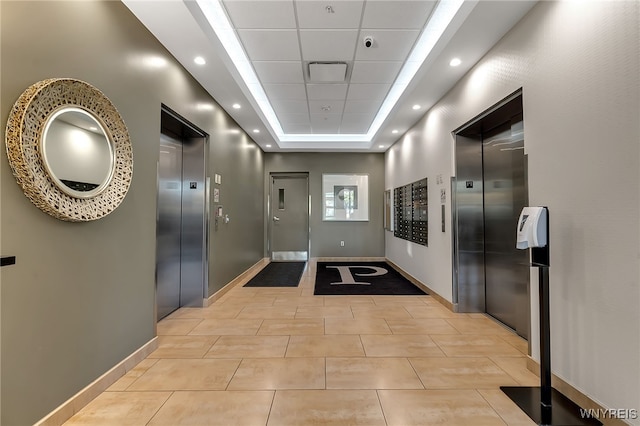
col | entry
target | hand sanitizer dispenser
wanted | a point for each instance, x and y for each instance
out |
(532, 228)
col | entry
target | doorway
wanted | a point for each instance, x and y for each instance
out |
(490, 190)
(289, 217)
(181, 229)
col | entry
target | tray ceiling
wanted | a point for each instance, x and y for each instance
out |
(332, 108)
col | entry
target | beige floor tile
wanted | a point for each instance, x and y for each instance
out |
(385, 311)
(517, 342)
(225, 327)
(371, 373)
(460, 373)
(214, 311)
(400, 345)
(506, 408)
(326, 407)
(187, 374)
(183, 346)
(299, 301)
(400, 300)
(268, 312)
(325, 346)
(247, 300)
(279, 291)
(324, 312)
(356, 326)
(517, 368)
(470, 345)
(478, 326)
(120, 408)
(132, 375)
(292, 327)
(426, 311)
(279, 373)
(421, 326)
(437, 407)
(348, 301)
(249, 347)
(215, 408)
(176, 327)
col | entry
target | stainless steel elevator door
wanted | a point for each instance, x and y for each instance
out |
(505, 194)
(169, 226)
(289, 217)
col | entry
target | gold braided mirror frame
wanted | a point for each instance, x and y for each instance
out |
(25, 126)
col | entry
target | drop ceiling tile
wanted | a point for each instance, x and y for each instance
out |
(397, 14)
(325, 123)
(294, 118)
(314, 14)
(279, 71)
(289, 107)
(362, 107)
(296, 128)
(270, 45)
(356, 123)
(285, 91)
(375, 72)
(261, 14)
(388, 45)
(328, 45)
(335, 107)
(326, 91)
(367, 91)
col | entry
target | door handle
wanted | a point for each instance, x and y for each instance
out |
(276, 219)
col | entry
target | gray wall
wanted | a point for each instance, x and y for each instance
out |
(81, 297)
(361, 238)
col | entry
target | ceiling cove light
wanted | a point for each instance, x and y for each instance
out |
(440, 19)
(199, 60)
(455, 62)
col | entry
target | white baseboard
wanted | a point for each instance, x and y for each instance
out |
(237, 280)
(74, 404)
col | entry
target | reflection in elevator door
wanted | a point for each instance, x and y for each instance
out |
(505, 194)
(181, 251)
(490, 190)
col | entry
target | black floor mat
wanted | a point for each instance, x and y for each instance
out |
(361, 278)
(278, 274)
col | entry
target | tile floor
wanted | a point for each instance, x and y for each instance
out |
(282, 356)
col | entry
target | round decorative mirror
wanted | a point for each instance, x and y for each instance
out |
(77, 152)
(69, 149)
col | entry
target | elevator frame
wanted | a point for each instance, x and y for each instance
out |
(462, 300)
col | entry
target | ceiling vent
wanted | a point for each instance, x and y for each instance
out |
(327, 72)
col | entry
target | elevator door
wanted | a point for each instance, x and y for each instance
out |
(181, 252)
(505, 194)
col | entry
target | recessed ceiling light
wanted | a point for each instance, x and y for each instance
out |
(199, 60)
(236, 106)
(380, 146)
(93, 128)
(394, 131)
(416, 107)
(455, 62)
(268, 145)
(256, 130)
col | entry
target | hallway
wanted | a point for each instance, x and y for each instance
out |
(282, 356)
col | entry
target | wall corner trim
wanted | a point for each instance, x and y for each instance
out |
(574, 394)
(249, 273)
(74, 404)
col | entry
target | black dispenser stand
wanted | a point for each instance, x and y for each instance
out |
(543, 404)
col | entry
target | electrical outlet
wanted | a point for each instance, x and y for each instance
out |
(341, 243)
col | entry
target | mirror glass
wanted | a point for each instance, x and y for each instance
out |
(77, 152)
